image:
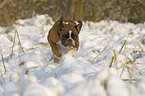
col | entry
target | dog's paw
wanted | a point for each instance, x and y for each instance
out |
(72, 51)
(57, 60)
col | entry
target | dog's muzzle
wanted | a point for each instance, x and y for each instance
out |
(70, 43)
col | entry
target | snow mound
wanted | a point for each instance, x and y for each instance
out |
(35, 75)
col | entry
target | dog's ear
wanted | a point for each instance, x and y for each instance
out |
(78, 26)
(60, 24)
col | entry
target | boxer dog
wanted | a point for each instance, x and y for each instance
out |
(63, 37)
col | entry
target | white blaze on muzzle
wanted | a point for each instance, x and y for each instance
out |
(70, 34)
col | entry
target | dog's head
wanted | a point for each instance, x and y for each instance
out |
(69, 31)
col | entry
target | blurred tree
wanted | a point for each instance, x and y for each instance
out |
(86, 10)
(78, 14)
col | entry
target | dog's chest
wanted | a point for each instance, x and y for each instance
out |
(62, 49)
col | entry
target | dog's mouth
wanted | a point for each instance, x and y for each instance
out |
(69, 43)
(70, 46)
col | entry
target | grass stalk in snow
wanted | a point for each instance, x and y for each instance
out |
(20, 51)
(20, 42)
(115, 62)
(133, 49)
(16, 34)
(33, 48)
(121, 47)
(119, 53)
(125, 47)
(2, 76)
(140, 47)
(111, 62)
(18, 82)
(99, 54)
(13, 44)
(134, 66)
(3, 60)
(19, 71)
(114, 57)
(130, 81)
(123, 67)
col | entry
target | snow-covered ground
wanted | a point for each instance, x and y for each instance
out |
(30, 73)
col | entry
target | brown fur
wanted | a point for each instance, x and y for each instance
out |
(54, 35)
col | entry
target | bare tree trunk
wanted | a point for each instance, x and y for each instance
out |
(70, 9)
(78, 14)
(53, 9)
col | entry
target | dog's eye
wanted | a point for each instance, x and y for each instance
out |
(65, 36)
(74, 36)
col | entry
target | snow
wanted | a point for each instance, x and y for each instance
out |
(75, 75)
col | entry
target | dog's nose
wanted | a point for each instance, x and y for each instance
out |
(69, 41)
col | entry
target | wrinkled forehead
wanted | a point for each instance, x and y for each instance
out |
(69, 22)
(69, 28)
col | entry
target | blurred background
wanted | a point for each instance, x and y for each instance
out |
(86, 10)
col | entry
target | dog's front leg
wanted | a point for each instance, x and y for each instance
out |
(55, 49)
(57, 54)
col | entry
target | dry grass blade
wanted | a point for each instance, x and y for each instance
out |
(33, 48)
(130, 75)
(16, 33)
(133, 49)
(13, 44)
(129, 79)
(140, 47)
(99, 54)
(19, 82)
(122, 47)
(123, 67)
(111, 62)
(125, 47)
(134, 66)
(114, 57)
(115, 62)
(2, 76)
(20, 42)
(119, 53)
(3, 60)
